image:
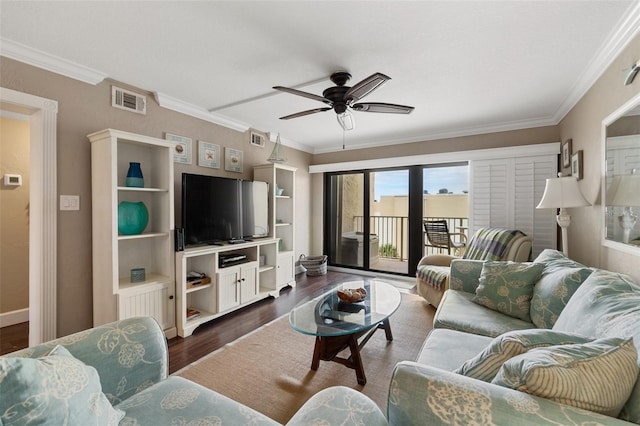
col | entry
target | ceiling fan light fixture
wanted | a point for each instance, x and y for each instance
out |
(346, 120)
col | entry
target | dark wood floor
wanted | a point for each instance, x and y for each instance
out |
(217, 333)
(14, 337)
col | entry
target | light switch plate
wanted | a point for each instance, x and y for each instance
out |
(69, 202)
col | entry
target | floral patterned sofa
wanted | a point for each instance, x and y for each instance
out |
(465, 372)
(117, 374)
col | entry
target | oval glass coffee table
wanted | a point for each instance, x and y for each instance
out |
(338, 325)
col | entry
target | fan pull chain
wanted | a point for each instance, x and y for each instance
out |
(343, 132)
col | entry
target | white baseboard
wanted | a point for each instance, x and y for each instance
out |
(14, 317)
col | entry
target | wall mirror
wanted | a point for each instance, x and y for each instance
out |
(621, 178)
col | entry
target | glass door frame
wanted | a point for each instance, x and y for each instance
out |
(415, 220)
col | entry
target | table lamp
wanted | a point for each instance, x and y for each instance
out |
(624, 191)
(562, 193)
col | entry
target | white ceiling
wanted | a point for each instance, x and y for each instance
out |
(467, 67)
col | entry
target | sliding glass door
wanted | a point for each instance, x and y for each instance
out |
(374, 218)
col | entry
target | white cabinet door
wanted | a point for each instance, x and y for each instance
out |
(285, 274)
(155, 301)
(248, 283)
(228, 294)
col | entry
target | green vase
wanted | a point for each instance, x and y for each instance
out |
(132, 217)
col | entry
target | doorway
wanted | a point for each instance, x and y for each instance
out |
(42, 116)
(14, 231)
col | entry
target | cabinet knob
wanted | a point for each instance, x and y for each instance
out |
(242, 279)
(170, 297)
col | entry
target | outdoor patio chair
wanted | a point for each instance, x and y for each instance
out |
(438, 236)
(432, 274)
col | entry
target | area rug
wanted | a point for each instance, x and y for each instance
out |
(269, 369)
(402, 285)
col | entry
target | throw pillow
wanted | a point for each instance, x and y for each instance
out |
(596, 376)
(487, 363)
(54, 389)
(552, 292)
(507, 287)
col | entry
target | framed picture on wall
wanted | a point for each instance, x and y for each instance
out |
(182, 150)
(566, 153)
(208, 154)
(576, 165)
(233, 160)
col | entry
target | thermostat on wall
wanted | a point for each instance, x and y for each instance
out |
(12, 180)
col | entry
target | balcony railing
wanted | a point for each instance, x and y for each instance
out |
(393, 233)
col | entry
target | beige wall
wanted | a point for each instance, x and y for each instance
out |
(14, 216)
(583, 124)
(83, 109)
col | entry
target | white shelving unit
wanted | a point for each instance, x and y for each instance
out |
(230, 287)
(281, 217)
(114, 295)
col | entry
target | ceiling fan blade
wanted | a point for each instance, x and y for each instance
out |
(303, 113)
(382, 107)
(366, 86)
(304, 94)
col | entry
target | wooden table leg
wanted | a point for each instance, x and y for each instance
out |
(387, 329)
(327, 348)
(356, 360)
(317, 351)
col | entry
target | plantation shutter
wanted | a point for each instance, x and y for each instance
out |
(505, 192)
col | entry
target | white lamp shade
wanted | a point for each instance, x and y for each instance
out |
(562, 192)
(624, 191)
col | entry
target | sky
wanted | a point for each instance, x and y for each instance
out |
(395, 182)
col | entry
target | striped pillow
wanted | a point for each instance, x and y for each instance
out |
(487, 363)
(597, 376)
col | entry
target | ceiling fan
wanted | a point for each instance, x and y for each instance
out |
(342, 99)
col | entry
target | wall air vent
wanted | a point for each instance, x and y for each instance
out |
(130, 101)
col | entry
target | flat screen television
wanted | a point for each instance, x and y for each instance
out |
(217, 210)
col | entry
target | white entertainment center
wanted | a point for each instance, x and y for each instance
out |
(235, 286)
(264, 266)
(227, 288)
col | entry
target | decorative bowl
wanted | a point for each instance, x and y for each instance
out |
(352, 295)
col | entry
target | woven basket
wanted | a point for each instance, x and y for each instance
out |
(315, 265)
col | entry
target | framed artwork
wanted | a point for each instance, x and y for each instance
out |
(566, 153)
(233, 160)
(577, 165)
(182, 150)
(257, 140)
(208, 154)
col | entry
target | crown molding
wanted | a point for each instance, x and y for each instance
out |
(272, 136)
(627, 28)
(40, 59)
(169, 102)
